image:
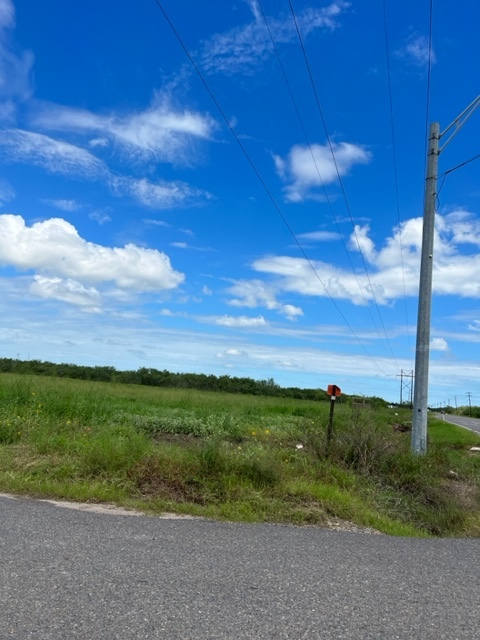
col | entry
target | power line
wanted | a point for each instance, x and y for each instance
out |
(445, 174)
(459, 166)
(262, 181)
(300, 120)
(342, 186)
(395, 169)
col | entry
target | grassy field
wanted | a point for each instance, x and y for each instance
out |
(244, 458)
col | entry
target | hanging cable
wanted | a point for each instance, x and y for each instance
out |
(342, 186)
(314, 160)
(262, 181)
(395, 169)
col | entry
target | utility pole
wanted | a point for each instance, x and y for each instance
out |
(469, 394)
(406, 382)
(422, 349)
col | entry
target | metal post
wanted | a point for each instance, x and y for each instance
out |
(422, 351)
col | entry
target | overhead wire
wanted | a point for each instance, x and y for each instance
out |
(339, 177)
(314, 160)
(260, 178)
(445, 174)
(395, 168)
(459, 166)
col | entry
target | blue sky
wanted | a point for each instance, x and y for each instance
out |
(139, 229)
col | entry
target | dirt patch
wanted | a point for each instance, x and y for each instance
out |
(464, 494)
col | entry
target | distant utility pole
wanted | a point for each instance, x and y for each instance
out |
(422, 350)
(469, 394)
(456, 408)
(406, 383)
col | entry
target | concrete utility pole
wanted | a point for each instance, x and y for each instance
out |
(422, 350)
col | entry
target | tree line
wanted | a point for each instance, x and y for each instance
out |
(156, 378)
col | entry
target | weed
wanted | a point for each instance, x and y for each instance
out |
(237, 457)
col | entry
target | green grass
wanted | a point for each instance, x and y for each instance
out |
(245, 458)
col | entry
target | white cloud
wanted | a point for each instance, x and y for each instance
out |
(359, 241)
(255, 293)
(156, 223)
(319, 236)
(307, 168)
(438, 344)
(394, 268)
(244, 48)
(161, 132)
(55, 156)
(67, 290)
(239, 321)
(63, 204)
(416, 51)
(54, 249)
(7, 14)
(159, 195)
(67, 159)
(98, 142)
(6, 191)
(15, 68)
(100, 216)
(229, 353)
(206, 290)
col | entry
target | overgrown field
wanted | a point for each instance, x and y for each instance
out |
(235, 457)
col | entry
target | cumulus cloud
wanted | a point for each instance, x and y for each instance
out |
(54, 250)
(394, 266)
(360, 241)
(244, 48)
(255, 293)
(438, 344)
(307, 168)
(161, 132)
(67, 290)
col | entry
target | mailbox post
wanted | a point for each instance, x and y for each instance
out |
(333, 391)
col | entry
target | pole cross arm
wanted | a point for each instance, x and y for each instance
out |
(459, 121)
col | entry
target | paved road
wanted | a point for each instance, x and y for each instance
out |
(470, 423)
(67, 574)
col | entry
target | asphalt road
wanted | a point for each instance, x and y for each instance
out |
(463, 421)
(68, 574)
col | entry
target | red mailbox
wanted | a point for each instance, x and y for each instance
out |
(333, 390)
